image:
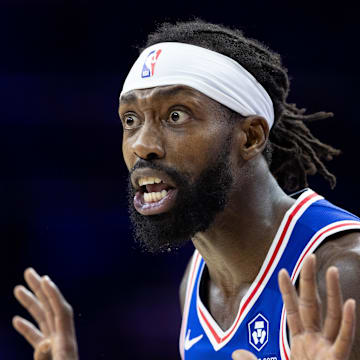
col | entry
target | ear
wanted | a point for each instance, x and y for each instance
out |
(252, 135)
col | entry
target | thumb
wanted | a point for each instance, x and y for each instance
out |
(43, 350)
(243, 355)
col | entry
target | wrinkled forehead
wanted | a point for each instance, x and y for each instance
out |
(163, 93)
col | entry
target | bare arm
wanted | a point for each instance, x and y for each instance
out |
(342, 251)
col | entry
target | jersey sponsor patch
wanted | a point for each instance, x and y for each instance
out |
(148, 69)
(258, 329)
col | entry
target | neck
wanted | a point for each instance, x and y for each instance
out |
(236, 244)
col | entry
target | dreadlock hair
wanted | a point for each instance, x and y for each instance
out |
(292, 152)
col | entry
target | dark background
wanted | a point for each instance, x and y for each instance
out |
(62, 185)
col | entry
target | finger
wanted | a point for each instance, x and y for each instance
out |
(34, 281)
(345, 338)
(334, 304)
(61, 308)
(43, 350)
(33, 306)
(27, 330)
(290, 299)
(309, 301)
(243, 355)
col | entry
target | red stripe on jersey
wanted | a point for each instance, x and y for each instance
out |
(315, 240)
(216, 336)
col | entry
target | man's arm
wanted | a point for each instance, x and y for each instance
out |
(342, 251)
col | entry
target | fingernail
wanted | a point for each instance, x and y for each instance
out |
(334, 269)
(30, 271)
(16, 320)
(18, 289)
(48, 280)
(283, 272)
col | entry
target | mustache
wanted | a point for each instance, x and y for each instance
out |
(180, 179)
(147, 164)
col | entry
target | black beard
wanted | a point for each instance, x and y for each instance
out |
(195, 209)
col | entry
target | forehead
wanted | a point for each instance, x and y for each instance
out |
(162, 93)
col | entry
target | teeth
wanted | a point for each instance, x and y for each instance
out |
(149, 180)
(154, 196)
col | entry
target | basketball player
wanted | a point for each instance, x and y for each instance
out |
(211, 144)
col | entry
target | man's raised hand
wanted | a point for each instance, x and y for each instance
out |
(310, 339)
(54, 337)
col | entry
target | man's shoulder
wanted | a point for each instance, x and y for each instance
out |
(341, 245)
(343, 251)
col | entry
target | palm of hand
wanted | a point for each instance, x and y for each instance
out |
(54, 339)
(54, 348)
(312, 346)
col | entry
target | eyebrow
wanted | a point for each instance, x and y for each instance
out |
(127, 98)
(160, 92)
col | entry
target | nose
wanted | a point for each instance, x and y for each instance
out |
(148, 145)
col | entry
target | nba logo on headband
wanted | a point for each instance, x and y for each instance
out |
(149, 64)
(215, 75)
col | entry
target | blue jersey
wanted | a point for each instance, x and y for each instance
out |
(260, 324)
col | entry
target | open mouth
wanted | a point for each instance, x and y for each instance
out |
(154, 195)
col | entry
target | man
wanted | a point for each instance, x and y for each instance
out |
(211, 143)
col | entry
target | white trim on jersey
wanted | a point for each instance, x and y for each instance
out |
(216, 335)
(189, 289)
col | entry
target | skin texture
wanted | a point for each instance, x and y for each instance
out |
(54, 338)
(252, 215)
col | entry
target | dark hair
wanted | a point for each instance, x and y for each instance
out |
(292, 151)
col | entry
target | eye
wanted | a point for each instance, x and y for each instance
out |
(178, 117)
(131, 121)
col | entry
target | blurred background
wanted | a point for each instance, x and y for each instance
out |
(63, 207)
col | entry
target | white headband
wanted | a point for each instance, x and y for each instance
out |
(215, 75)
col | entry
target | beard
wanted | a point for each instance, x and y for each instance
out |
(195, 208)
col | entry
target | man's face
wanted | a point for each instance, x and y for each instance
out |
(176, 145)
